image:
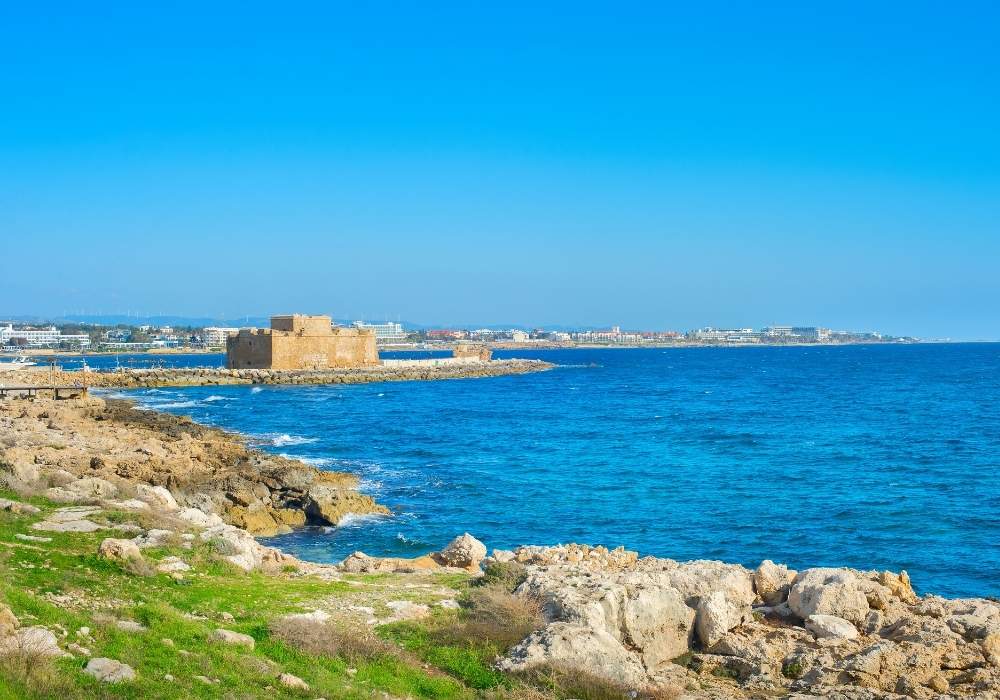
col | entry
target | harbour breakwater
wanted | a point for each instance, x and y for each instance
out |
(392, 371)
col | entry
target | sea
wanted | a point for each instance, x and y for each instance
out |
(868, 456)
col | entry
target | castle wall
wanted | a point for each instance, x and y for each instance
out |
(345, 348)
(302, 342)
(249, 349)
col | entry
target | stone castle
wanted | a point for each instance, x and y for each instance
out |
(301, 342)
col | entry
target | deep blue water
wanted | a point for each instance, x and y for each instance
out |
(866, 456)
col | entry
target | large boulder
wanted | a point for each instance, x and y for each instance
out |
(199, 518)
(657, 621)
(772, 581)
(31, 641)
(329, 504)
(831, 627)
(465, 552)
(93, 487)
(224, 636)
(109, 670)
(836, 592)
(240, 549)
(121, 551)
(157, 496)
(577, 646)
(699, 579)
(717, 615)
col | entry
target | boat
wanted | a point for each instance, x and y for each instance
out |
(17, 363)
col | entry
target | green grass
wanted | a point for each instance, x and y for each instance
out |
(469, 661)
(97, 593)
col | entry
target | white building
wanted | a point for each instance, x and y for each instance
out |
(215, 336)
(385, 333)
(519, 336)
(41, 337)
(727, 335)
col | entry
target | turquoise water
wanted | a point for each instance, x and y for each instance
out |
(866, 456)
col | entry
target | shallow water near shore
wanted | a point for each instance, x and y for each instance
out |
(865, 456)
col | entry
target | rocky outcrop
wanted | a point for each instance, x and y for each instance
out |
(820, 632)
(89, 451)
(463, 552)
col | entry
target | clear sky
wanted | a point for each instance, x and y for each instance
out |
(536, 163)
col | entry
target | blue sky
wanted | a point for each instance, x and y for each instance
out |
(577, 163)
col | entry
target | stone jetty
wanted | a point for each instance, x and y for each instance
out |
(417, 370)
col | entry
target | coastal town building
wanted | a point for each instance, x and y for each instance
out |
(519, 336)
(215, 336)
(301, 342)
(727, 335)
(46, 337)
(447, 334)
(385, 333)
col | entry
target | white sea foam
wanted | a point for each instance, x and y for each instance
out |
(316, 461)
(216, 397)
(353, 519)
(175, 404)
(256, 390)
(284, 439)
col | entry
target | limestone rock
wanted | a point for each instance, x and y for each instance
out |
(657, 621)
(31, 641)
(991, 648)
(831, 627)
(131, 626)
(154, 538)
(31, 538)
(293, 682)
(20, 473)
(256, 521)
(772, 581)
(157, 496)
(199, 517)
(109, 670)
(8, 622)
(577, 646)
(229, 637)
(170, 565)
(17, 507)
(465, 552)
(834, 592)
(699, 579)
(319, 616)
(329, 504)
(407, 610)
(717, 615)
(240, 549)
(120, 551)
(93, 487)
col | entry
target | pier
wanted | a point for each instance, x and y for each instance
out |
(59, 391)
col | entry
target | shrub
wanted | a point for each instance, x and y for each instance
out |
(505, 575)
(34, 671)
(351, 643)
(493, 615)
(792, 669)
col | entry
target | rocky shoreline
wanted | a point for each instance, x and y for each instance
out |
(74, 451)
(701, 629)
(130, 378)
